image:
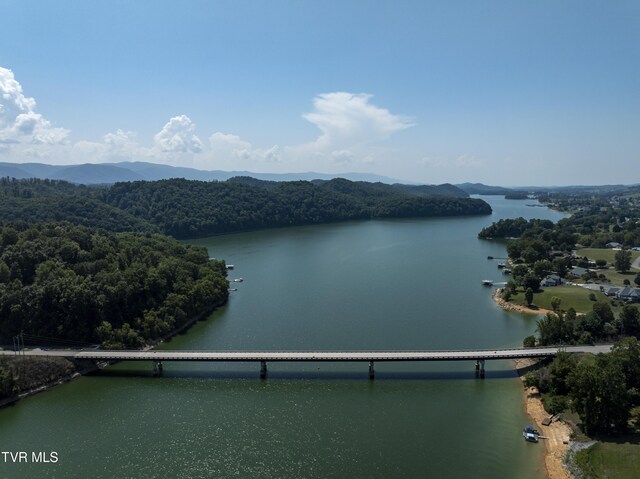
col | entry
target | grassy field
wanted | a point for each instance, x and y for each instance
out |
(615, 278)
(606, 254)
(571, 296)
(611, 460)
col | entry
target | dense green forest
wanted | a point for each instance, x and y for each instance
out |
(84, 284)
(188, 209)
(38, 201)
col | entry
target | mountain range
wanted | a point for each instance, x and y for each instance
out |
(107, 173)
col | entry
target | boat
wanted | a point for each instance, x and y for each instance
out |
(489, 257)
(530, 434)
(501, 265)
(487, 282)
(230, 266)
(238, 280)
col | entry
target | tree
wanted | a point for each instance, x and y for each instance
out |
(531, 281)
(555, 303)
(599, 394)
(542, 267)
(550, 329)
(601, 263)
(630, 317)
(529, 342)
(560, 266)
(528, 296)
(637, 279)
(623, 260)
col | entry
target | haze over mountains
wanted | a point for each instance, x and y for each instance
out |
(103, 173)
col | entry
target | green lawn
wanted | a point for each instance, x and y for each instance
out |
(603, 253)
(571, 296)
(620, 460)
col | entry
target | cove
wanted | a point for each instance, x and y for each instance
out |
(371, 285)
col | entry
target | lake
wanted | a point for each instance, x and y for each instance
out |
(370, 285)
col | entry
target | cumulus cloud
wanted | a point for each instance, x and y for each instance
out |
(349, 118)
(177, 136)
(19, 122)
(231, 147)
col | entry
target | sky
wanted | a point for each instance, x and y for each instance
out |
(503, 92)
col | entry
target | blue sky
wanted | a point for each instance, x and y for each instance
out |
(502, 92)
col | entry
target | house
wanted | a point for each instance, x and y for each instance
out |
(551, 280)
(577, 272)
(610, 290)
(613, 244)
(630, 295)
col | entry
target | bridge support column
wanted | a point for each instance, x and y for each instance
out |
(480, 368)
(263, 369)
(372, 371)
(157, 368)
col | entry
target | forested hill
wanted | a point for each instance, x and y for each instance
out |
(83, 284)
(186, 209)
(39, 201)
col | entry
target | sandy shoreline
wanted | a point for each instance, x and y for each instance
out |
(516, 308)
(556, 435)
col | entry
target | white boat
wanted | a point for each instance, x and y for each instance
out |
(487, 282)
(530, 434)
(238, 280)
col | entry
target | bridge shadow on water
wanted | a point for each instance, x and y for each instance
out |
(307, 375)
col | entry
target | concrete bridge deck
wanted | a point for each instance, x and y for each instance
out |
(322, 356)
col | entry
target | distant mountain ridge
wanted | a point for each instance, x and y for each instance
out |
(108, 173)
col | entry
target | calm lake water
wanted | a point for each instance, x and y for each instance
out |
(372, 285)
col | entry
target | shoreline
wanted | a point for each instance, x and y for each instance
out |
(80, 371)
(515, 308)
(557, 435)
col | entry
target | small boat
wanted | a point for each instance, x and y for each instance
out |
(233, 289)
(489, 257)
(238, 280)
(230, 266)
(501, 265)
(530, 434)
(506, 271)
(487, 282)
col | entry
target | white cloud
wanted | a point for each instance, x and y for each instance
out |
(342, 156)
(229, 147)
(19, 123)
(349, 118)
(177, 136)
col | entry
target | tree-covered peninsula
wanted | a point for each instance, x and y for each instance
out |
(88, 285)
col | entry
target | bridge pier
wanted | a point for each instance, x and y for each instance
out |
(372, 371)
(480, 368)
(157, 368)
(263, 369)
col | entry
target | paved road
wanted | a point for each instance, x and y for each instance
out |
(321, 356)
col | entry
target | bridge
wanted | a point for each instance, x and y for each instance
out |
(157, 357)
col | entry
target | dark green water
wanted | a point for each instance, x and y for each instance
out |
(406, 284)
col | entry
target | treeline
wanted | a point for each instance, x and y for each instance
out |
(599, 324)
(604, 389)
(84, 284)
(187, 209)
(39, 201)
